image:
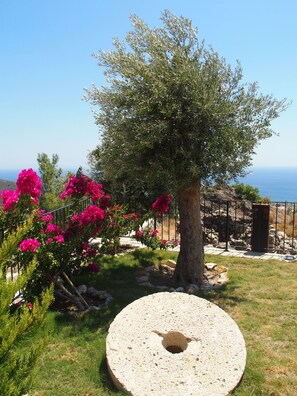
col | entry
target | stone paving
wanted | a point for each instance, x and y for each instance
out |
(209, 249)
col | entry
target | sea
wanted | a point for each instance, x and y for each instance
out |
(279, 184)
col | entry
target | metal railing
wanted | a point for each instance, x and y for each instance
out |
(61, 215)
(230, 224)
(224, 223)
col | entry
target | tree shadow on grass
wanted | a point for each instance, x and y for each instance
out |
(118, 278)
(146, 257)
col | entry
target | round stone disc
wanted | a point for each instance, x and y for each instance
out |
(175, 344)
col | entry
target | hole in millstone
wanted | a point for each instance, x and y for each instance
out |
(175, 342)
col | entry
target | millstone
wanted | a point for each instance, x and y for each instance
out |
(175, 344)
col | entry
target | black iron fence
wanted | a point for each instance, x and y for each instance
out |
(60, 215)
(227, 224)
(242, 225)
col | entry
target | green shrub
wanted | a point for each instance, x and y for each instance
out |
(248, 192)
(18, 318)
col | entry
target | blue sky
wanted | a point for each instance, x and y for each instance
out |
(46, 62)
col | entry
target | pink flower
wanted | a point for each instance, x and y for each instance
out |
(29, 182)
(161, 204)
(92, 214)
(75, 218)
(53, 229)
(47, 218)
(132, 216)
(154, 232)
(86, 246)
(105, 201)
(30, 305)
(82, 185)
(76, 186)
(59, 238)
(49, 240)
(29, 245)
(93, 267)
(95, 190)
(88, 251)
(10, 198)
(139, 233)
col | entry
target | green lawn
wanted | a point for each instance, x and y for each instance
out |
(261, 297)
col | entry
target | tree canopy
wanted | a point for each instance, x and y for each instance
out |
(52, 181)
(174, 111)
(174, 114)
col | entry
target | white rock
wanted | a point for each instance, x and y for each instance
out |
(180, 290)
(171, 263)
(210, 266)
(82, 289)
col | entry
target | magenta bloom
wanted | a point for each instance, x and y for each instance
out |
(131, 216)
(86, 246)
(105, 201)
(9, 198)
(47, 218)
(154, 232)
(59, 238)
(93, 267)
(95, 191)
(76, 186)
(139, 233)
(29, 182)
(161, 204)
(75, 218)
(88, 251)
(81, 186)
(92, 214)
(29, 245)
(53, 229)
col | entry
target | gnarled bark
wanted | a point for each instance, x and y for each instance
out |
(190, 262)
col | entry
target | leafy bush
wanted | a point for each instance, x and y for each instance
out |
(248, 192)
(44, 252)
(61, 250)
(17, 318)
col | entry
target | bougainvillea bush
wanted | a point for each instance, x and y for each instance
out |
(46, 254)
(64, 250)
(149, 237)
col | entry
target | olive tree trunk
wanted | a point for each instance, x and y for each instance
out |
(190, 262)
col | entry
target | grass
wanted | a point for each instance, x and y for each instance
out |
(261, 297)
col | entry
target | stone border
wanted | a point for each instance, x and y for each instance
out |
(175, 344)
(215, 277)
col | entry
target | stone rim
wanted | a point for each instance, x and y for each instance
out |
(139, 363)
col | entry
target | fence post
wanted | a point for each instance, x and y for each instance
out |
(260, 227)
(227, 228)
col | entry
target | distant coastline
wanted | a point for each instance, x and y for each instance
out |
(278, 183)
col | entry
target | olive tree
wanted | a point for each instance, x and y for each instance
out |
(173, 112)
